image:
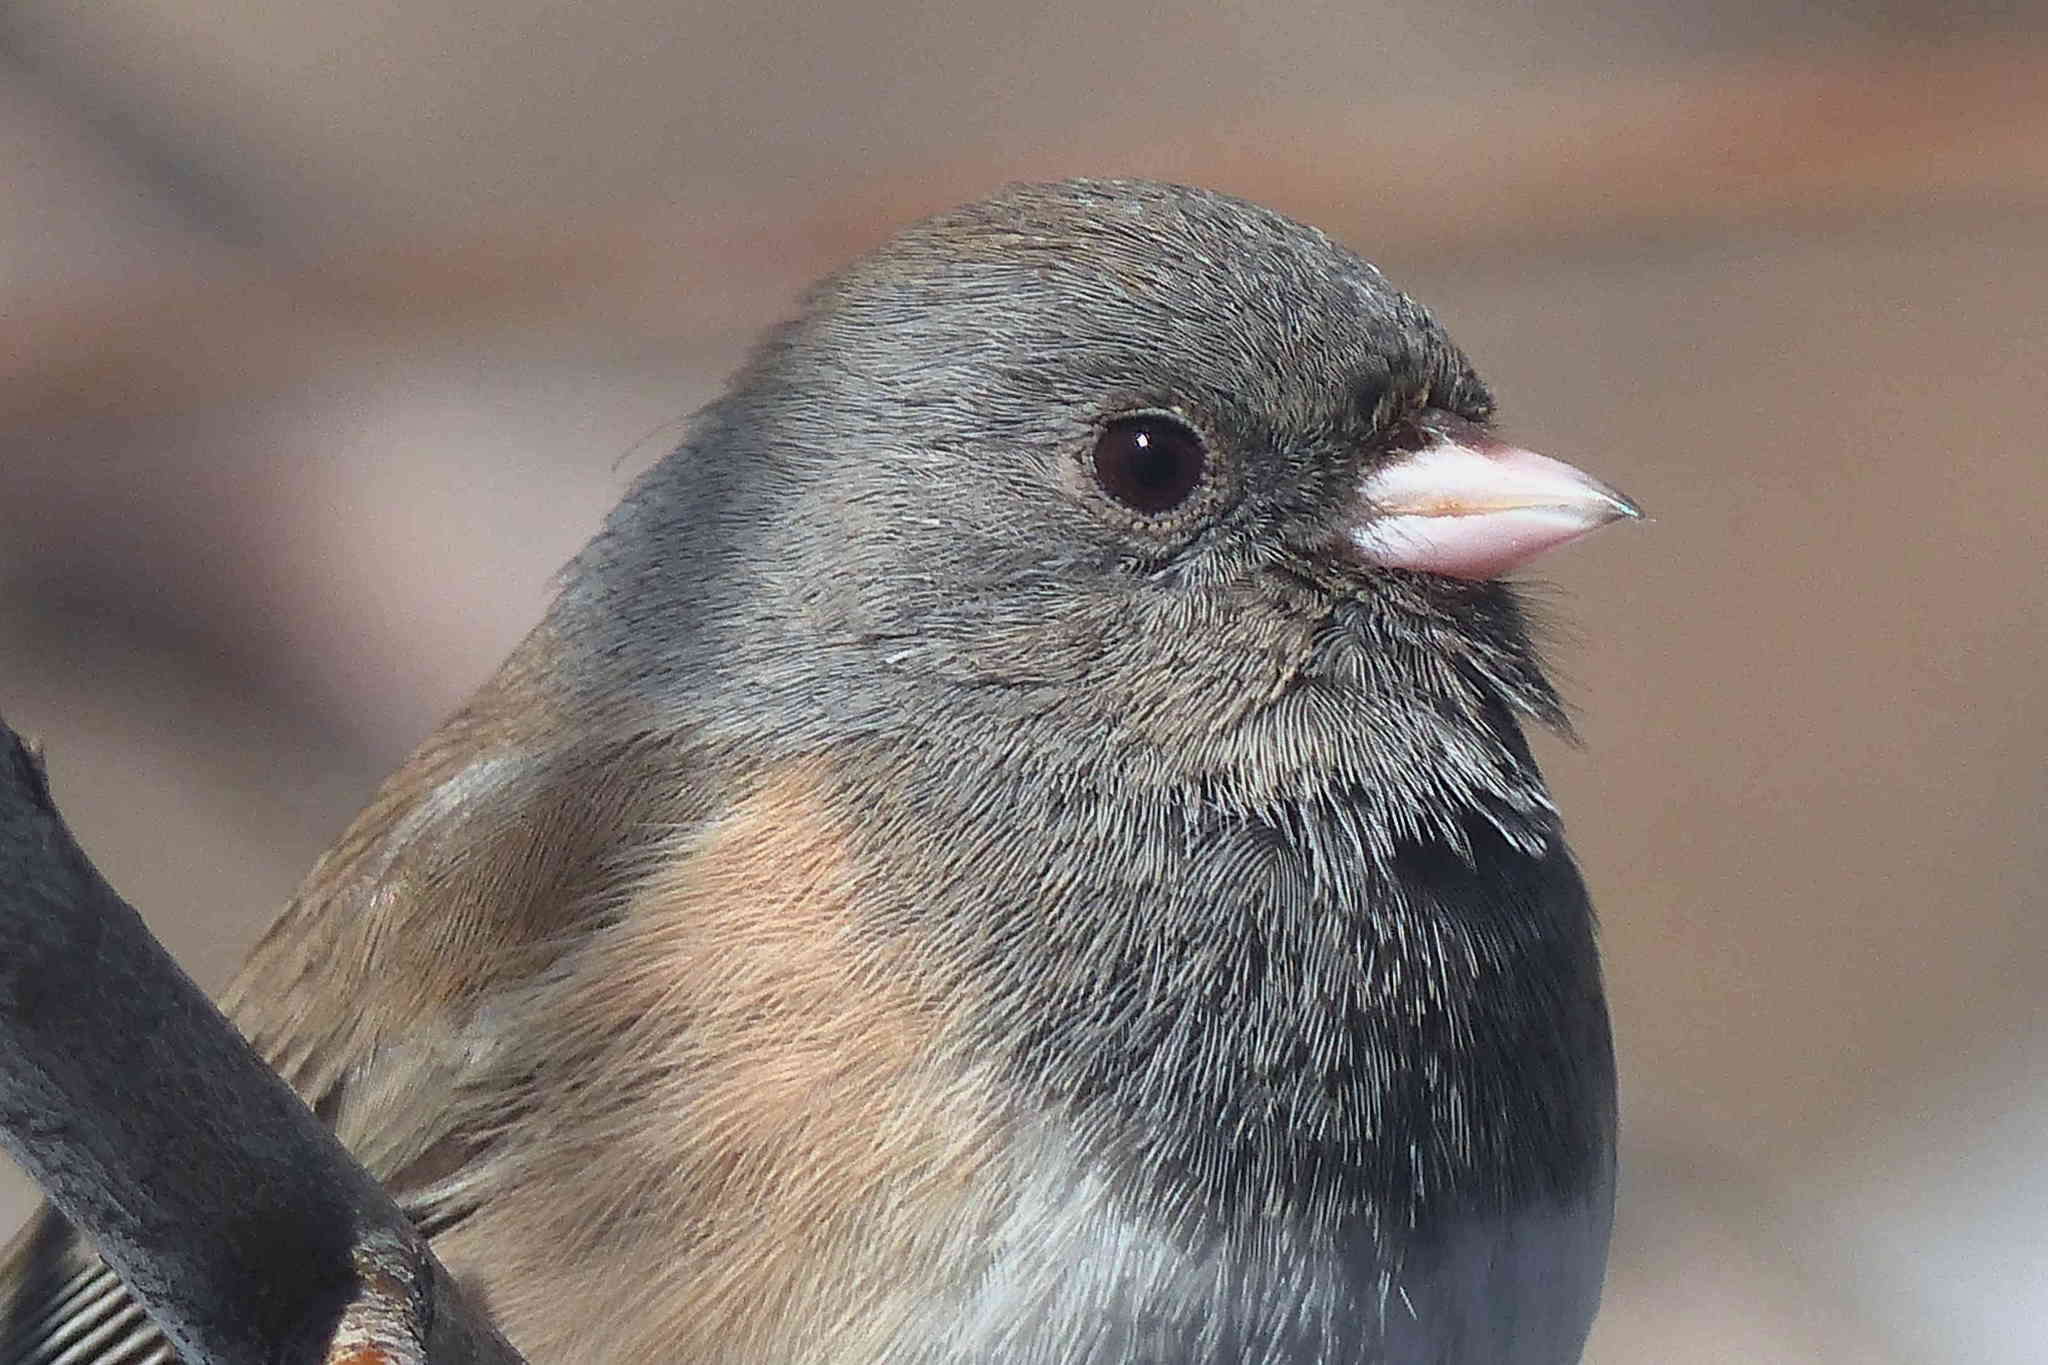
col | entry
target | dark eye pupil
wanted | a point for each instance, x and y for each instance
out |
(1149, 464)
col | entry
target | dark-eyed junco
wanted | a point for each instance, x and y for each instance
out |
(1014, 844)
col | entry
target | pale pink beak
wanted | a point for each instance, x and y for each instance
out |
(1471, 506)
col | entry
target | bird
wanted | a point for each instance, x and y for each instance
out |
(1017, 841)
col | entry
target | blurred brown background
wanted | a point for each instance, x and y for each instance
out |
(327, 331)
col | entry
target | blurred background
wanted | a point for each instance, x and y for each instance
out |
(328, 331)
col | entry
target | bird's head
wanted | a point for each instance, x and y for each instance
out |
(1159, 474)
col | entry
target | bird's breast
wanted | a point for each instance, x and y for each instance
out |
(1266, 1092)
(906, 1069)
(1078, 1270)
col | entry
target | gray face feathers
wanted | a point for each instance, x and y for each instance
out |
(1081, 457)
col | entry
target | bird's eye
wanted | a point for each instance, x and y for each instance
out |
(1150, 464)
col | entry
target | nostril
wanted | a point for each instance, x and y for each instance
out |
(1406, 438)
(1436, 424)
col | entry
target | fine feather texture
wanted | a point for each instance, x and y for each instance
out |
(904, 906)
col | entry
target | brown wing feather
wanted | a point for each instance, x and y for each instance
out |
(474, 867)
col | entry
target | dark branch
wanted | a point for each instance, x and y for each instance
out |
(231, 1213)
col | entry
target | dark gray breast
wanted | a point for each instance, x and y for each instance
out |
(1284, 1097)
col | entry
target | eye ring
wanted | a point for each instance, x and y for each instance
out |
(1149, 463)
